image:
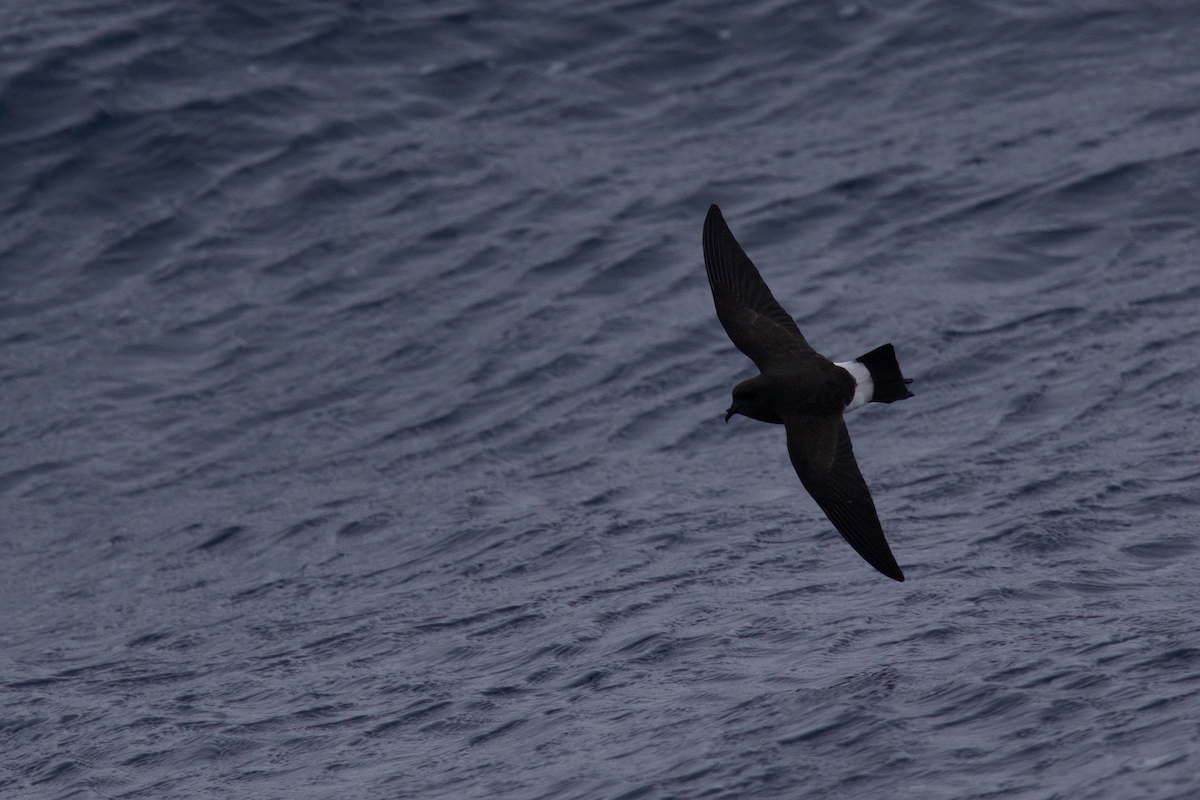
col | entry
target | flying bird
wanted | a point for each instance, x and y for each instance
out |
(805, 392)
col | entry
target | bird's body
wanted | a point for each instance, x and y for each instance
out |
(803, 391)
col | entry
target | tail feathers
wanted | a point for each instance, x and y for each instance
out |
(890, 383)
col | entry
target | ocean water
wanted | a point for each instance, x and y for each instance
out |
(361, 399)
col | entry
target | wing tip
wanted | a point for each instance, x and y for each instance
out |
(884, 562)
(870, 545)
(713, 222)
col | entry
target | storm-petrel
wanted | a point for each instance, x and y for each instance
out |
(803, 391)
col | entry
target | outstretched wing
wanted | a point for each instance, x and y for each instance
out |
(824, 459)
(756, 323)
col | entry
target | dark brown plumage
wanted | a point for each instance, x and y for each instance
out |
(804, 391)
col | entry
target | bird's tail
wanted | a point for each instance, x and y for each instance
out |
(890, 383)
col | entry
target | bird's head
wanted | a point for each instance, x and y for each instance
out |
(751, 398)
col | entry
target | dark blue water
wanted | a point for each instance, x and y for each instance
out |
(361, 400)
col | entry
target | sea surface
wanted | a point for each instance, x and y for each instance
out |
(361, 399)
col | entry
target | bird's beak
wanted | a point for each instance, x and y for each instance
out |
(732, 410)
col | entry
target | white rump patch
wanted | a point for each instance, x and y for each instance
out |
(864, 387)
